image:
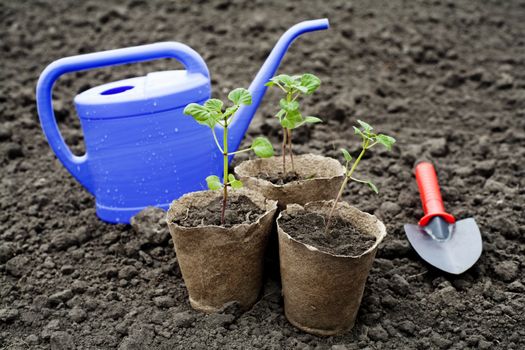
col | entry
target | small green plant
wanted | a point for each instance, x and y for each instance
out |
(213, 115)
(368, 140)
(289, 115)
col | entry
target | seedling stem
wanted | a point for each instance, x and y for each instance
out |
(211, 114)
(289, 115)
(225, 171)
(369, 140)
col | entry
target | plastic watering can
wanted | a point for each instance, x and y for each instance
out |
(141, 150)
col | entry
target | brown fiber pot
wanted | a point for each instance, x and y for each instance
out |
(328, 175)
(322, 292)
(220, 264)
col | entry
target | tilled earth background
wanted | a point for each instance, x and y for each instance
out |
(446, 78)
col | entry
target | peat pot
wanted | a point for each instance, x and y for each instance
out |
(221, 264)
(319, 178)
(322, 291)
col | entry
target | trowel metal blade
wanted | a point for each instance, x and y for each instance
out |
(455, 255)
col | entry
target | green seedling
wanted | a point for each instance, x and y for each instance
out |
(368, 140)
(289, 115)
(213, 114)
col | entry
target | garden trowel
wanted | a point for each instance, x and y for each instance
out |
(450, 245)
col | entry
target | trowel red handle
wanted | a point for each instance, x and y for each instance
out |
(428, 185)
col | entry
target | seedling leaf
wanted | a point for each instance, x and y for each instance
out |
(366, 127)
(346, 154)
(373, 187)
(283, 79)
(214, 183)
(262, 147)
(230, 111)
(197, 111)
(214, 104)
(312, 120)
(240, 96)
(295, 116)
(386, 141)
(310, 82)
(212, 120)
(287, 123)
(201, 114)
(292, 120)
(301, 88)
(358, 131)
(234, 183)
(289, 106)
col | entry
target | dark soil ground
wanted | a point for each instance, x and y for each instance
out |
(309, 228)
(445, 78)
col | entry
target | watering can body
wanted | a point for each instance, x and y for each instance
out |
(141, 150)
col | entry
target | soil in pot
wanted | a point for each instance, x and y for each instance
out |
(343, 239)
(239, 210)
(323, 279)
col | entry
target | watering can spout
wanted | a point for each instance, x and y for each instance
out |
(257, 87)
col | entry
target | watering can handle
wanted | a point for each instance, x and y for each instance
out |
(77, 165)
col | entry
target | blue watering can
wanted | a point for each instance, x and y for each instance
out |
(140, 149)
